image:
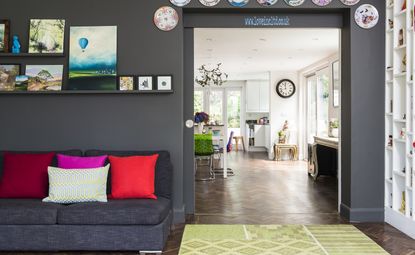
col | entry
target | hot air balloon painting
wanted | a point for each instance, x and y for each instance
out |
(93, 58)
(83, 43)
(46, 35)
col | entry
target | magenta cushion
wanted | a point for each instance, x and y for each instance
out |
(73, 162)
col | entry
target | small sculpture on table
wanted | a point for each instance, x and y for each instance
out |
(16, 45)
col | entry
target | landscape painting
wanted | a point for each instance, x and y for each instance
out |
(93, 58)
(44, 77)
(4, 35)
(46, 35)
(22, 82)
(8, 75)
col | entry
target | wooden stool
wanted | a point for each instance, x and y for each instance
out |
(291, 147)
(237, 139)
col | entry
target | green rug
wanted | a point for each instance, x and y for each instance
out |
(276, 239)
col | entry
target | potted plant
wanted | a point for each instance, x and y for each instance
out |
(334, 128)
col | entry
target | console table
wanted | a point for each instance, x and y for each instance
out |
(324, 156)
(278, 147)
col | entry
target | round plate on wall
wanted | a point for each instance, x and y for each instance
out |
(238, 3)
(350, 2)
(294, 2)
(285, 88)
(267, 2)
(166, 18)
(322, 2)
(180, 3)
(366, 16)
(209, 3)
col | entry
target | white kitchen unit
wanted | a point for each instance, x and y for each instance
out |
(257, 96)
(259, 135)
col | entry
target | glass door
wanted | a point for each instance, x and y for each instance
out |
(234, 99)
(323, 101)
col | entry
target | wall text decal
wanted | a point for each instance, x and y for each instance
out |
(267, 21)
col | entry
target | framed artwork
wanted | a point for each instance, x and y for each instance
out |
(44, 77)
(164, 82)
(4, 36)
(145, 83)
(8, 74)
(93, 58)
(126, 82)
(22, 82)
(46, 35)
(336, 84)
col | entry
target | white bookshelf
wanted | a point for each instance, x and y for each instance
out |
(400, 117)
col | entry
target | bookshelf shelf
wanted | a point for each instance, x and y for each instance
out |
(400, 116)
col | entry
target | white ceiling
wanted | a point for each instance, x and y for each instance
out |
(263, 49)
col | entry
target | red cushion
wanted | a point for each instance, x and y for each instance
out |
(133, 177)
(25, 175)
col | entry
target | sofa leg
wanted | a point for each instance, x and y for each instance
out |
(150, 252)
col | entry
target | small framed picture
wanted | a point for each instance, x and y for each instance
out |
(125, 82)
(4, 36)
(8, 74)
(164, 82)
(145, 83)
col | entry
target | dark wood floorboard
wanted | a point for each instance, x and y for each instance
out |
(269, 192)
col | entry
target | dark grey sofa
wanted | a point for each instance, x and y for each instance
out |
(119, 225)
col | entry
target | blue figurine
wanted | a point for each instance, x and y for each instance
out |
(16, 45)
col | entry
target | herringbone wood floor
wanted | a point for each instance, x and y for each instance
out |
(269, 192)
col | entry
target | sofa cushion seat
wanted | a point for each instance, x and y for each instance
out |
(27, 212)
(116, 212)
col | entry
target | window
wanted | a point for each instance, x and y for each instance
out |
(198, 101)
(318, 96)
(216, 105)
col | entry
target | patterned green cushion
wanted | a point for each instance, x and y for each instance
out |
(77, 185)
(203, 144)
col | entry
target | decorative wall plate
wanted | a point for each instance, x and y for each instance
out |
(366, 16)
(209, 3)
(350, 2)
(166, 18)
(294, 2)
(180, 3)
(322, 2)
(238, 3)
(267, 2)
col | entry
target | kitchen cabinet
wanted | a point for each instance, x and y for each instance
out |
(257, 96)
(268, 137)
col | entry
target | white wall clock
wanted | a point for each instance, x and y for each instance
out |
(366, 16)
(294, 2)
(350, 2)
(209, 3)
(166, 18)
(285, 88)
(238, 3)
(180, 3)
(267, 2)
(322, 2)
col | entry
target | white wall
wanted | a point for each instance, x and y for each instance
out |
(283, 109)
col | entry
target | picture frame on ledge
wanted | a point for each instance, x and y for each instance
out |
(164, 83)
(126, 82)
(145, 83)
(4, 36)
(8, 74)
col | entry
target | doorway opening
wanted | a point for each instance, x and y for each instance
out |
(274, 124)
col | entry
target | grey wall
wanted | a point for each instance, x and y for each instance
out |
(156, 122)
